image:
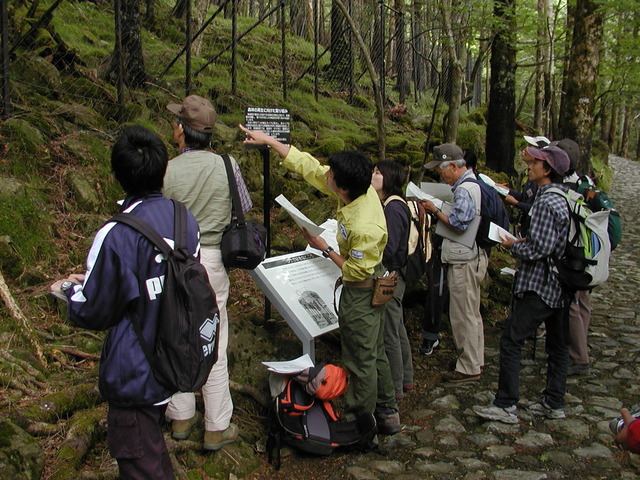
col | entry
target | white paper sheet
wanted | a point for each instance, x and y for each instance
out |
(504, 191)
(290, 366)
(413, 191)
(496, 233)
(299, 217)
(330, 235)
(507, 271)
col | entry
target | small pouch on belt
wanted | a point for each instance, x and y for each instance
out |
(383, 288)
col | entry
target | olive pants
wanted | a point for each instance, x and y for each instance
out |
(363, 354)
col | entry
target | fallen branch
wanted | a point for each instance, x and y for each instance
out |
(27, 329)
(44, 429)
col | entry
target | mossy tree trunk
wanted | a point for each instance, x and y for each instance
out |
(502, 99)
(576, 120)
(129, 57)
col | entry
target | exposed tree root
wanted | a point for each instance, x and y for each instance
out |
(253, 392)
(27, 329)
(84, 428)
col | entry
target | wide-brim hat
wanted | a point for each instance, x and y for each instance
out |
(196, 112)
(447, 152)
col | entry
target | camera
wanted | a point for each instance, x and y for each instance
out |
(617, 423)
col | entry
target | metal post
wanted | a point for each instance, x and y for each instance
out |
(316, 40)
(284, 51)
(4, 24)
(120, 60)
(187, 71)
(234, 15)
(382, 59)
(351, 60)
(266, 206)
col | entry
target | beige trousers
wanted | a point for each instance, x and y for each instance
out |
(218, 406)
(464, 312)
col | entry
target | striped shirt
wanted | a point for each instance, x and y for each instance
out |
(546, 238)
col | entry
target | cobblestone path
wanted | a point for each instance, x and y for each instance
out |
(445, 440)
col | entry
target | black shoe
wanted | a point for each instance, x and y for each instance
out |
(428, 345)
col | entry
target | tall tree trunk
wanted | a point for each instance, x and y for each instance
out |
(576, 120)
(199, 13)
(300, 18)
(400, 47)
(134, 74)
(340, 48)
(502, 98)
(624, 133)
(543, 55)
(612, 135)
(456, 73)
(419, 53)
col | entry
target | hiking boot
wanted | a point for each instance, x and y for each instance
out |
(428, 345)
(181, 429)
(542, 409)
(458, 377)
(497, 414)
(216, 440)
(388, 420)
(578, 370)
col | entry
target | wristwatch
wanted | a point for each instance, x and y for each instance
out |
(327, 251)
(66, 285)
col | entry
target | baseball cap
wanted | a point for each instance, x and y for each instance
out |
(196, 112)
(445, 153)
(633, 436)
(554, 156)
(540, 141)
(572, 149)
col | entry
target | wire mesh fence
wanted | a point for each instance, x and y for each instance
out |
(344, 46)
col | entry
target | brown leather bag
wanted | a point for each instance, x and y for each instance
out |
(383, 288)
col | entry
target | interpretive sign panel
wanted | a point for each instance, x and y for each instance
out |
(272, 121)
(300, 285)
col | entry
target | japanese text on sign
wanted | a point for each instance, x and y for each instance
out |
(273, 121)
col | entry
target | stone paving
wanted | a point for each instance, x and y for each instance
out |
(444, 439)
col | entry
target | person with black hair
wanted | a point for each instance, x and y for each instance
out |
(538, 296)
(122, 287)
(387, 180)
(362, 236)
(197, 177)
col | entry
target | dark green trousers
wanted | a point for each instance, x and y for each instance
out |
(363, 353)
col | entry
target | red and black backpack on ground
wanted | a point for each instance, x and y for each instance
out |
(309, 423)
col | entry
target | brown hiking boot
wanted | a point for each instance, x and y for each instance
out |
(181, 429)
(216, 440)
(388, 420)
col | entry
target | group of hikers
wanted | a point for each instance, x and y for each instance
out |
(115, 292)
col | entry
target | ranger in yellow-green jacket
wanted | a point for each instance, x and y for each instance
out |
(362, 236)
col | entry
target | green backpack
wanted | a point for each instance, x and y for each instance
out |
(597, 201)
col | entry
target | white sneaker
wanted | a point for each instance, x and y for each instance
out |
(542, 409)
(498, 414)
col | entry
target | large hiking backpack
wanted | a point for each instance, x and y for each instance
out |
(186, 346)
(585, 261)
(310, 424)
(419, 242)
(491, 211)
(597, 201)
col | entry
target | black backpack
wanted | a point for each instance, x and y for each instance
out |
(186, 346)
(491, 210)
(310, 424)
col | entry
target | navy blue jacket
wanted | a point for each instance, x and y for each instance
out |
(124, 278)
